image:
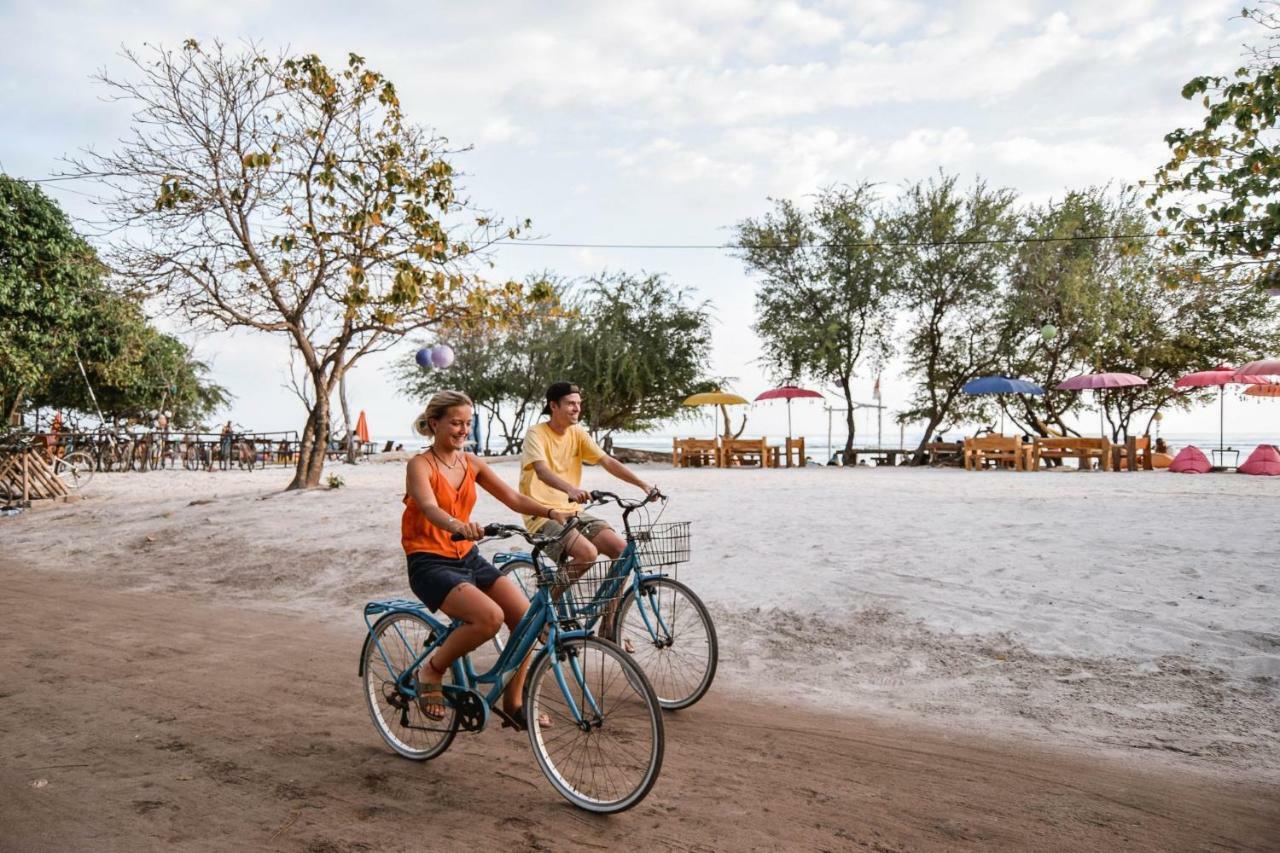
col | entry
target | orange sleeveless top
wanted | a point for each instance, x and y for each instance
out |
(417, 534)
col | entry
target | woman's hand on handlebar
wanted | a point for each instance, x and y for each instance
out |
(468, 530)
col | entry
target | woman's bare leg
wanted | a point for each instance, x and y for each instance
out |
(481, 618)
(507, 594)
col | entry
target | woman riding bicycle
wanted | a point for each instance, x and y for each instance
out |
(452, 576)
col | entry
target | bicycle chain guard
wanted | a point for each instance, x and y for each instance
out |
(472, 711)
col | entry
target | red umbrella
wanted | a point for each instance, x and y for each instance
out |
(362, 428)
(1099, 381)
(788, 393)
(1221, 376)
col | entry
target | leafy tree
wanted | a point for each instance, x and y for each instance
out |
(505, 370)
(277, 194)
(641, 346)
(1217, 194)
(952, 262)
(825, 303)
(45, 271)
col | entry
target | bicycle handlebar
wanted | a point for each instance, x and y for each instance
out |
(602, 497)
(502, 531)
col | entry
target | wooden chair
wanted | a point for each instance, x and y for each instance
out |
(695, 452)
(744, 452)
(792, 448)
(1137, 448)
(996, 448)
(1070, 447)
(944, 452)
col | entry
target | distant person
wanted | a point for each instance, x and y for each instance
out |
(399, 447)
(224, 447)
(1161, 447)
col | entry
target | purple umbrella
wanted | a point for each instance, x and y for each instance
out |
(1098, 382)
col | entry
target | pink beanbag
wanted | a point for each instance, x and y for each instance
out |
(1190, 461)
(1265, 459)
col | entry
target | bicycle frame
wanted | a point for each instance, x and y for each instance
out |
(494, 680)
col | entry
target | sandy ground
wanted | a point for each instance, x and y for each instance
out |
(910, 660)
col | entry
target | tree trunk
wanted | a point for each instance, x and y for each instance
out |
(919, 457)
(12, 419)
(314, 441)
(849, 420)
(346, 419)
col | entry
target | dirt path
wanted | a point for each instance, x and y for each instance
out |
(132, 721)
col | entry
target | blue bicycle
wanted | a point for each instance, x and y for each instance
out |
(593, 720)
(658, 620)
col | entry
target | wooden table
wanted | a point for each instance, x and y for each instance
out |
(880, 455)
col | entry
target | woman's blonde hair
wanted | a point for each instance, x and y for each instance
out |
(440, 403)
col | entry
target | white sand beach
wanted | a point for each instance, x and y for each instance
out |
(1119, 611)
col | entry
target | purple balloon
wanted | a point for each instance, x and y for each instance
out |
(423, 357)
(442, 355)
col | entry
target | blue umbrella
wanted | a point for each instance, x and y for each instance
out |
(1000, 385)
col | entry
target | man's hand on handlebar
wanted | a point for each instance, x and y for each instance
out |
(653, 493)
(579, 496)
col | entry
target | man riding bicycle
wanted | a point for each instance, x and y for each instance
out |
(551, 473)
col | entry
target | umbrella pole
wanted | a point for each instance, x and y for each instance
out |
(1222, 417)
(788, 417)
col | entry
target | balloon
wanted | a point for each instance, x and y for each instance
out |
(442, 355)
(423, 357)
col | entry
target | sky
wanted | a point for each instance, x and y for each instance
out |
(667, 123)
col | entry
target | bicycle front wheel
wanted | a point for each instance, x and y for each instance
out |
(76, 470)
(669, 633)
(607, 757)
(401, 637)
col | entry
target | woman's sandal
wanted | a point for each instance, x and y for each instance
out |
(520, 723)
(432, 709)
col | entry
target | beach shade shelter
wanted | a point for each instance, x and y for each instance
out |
(1100, 382)
(1190, 460)
(788, 393)
(1264, 459)
(362, 428)
(999, 386)
(723, 399)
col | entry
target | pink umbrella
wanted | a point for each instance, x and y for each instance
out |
(1221, 376)
(788, 393)
(1098, 382)
(1265, 367)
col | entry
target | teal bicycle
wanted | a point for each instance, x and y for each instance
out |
(658, 620)
(594, 722)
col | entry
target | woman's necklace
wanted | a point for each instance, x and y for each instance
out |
(457, 460)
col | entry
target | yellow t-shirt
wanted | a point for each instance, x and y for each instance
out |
(564, 455)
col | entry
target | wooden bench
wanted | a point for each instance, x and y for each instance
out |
(1068, 447)
(944, 452)
(1134, 448)
(996, 448)
(782, 454)
(744, 452)
(695, 452)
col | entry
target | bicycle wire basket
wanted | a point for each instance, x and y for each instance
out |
(586, 594)
(659, 545)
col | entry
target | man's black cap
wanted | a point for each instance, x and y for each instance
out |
(558, 391)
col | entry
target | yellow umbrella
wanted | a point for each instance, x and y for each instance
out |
(717, 398)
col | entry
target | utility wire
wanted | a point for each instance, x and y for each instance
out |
(832, 245)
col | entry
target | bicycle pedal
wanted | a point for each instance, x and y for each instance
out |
(471, 709)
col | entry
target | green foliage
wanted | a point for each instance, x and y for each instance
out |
(1216, 197)
(635, 345)
(640, 347)
(952, 267)
(504, 370)
(824, 306)
(335, 482)
(45, 271)
(55, 306)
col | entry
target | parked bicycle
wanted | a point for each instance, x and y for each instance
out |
(593, 720)
(659, 621)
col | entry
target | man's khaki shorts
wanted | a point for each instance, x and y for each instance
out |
(588, 526)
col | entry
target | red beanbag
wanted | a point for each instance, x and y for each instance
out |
(1190, 461)
(1264, 459)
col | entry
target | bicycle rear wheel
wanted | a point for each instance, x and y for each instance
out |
(609, 762)
(76, 470)
(670, 635)
(402, 637)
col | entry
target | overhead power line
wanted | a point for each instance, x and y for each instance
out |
(906, 244)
